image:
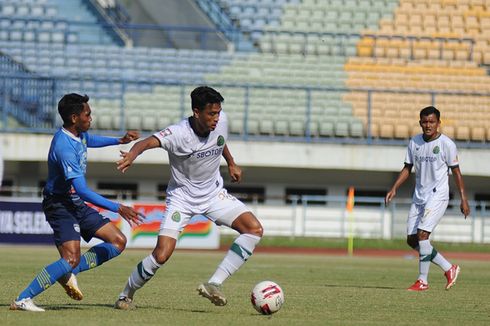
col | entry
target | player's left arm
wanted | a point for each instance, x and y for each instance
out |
(102, 141)
(234, 170)
(458, 178)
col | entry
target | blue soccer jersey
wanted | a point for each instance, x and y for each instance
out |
(67, 159)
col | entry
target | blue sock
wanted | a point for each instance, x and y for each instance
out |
(95, 256)
(48, 276)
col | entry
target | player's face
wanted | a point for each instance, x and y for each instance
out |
(83, 120)
(430, 125)
(208, 118)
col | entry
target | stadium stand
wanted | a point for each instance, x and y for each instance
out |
(323, 69)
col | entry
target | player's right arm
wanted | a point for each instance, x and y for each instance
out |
(128, 157)
(402, 177)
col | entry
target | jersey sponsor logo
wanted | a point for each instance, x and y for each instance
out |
(76, 227)
(425, 159)
(436, 150)
(176, 217)
(208, 153)
(166, 132)
(221, 141)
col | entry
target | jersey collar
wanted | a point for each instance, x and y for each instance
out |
(72, 136)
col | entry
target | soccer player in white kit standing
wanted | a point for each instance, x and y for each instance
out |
(432, 154)
(195, 146)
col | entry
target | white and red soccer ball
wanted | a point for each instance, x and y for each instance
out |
(267, 297)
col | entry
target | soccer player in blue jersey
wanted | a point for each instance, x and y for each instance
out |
(64, 205)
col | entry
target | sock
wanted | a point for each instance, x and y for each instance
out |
(238, 254)
(425, 257)
(143, 272)
(47, 277)
(95, 256)
(440, 261)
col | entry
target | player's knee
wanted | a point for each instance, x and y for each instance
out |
(412, 242)
(257, 230)
(161, 257)
(120, 242)
(73, 260)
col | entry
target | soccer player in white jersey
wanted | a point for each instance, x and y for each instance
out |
(195, 146)
(432, 154)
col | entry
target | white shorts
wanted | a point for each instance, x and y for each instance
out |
(425, 217)
(223, 209)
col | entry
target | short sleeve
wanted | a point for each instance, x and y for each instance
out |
(409, 154)
(451, 154)
(167, 139)
(70, 164)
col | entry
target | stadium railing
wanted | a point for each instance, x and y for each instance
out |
(45, 91)
(327, 216)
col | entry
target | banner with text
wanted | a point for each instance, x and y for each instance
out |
(24, 222)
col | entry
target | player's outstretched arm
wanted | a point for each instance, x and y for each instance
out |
(402, 177)
(129, 137)
(458, 178)
(234, 170)
(128, 157)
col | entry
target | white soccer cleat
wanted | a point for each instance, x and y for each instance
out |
(26, 305)
(124, 303)
(213, 293)
(70, 284)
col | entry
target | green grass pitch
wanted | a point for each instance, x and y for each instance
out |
(319, 290)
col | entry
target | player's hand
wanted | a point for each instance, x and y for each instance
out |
(389, 196)
(465, 208)
(129, 137)
(235, 173)
(126, 161)
(133, 217)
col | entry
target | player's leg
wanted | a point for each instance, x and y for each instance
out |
(92, 224)
(146, 269)
(66, 234)
(229, 211)
(48, 276)
(114, 243)
(414, 217)
(176, 218)
(433, 214)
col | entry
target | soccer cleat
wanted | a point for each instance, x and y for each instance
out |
(69, 283)
(212, 292)
(124, 303)
(452, 276)
(419, 285)
(26, 305)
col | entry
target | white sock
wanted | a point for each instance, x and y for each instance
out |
(425, 252)
(440, 261)
(238, 254)
(143, 272)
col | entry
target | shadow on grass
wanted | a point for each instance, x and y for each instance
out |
(360, 287)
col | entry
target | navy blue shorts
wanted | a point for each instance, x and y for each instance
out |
(71, 219)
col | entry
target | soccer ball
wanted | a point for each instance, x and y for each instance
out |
(267, 297)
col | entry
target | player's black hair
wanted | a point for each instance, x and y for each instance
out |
(430, 110)
(203, 95)
(71, 104)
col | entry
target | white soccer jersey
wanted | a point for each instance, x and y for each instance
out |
(194, 161)
(431, 161)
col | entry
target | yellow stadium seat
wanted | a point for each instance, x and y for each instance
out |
(462, 133)
(386, 130)
(478, 133)
(401, 131)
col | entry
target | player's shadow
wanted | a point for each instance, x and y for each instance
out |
(360, 287)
